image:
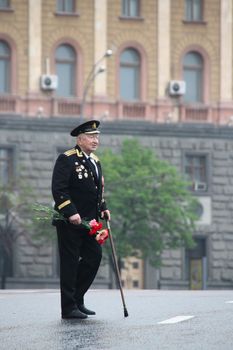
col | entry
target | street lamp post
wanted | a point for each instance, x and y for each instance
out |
(91, 77)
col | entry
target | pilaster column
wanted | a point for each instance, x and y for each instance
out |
(34, 45)
(100, 42)
(164, 51)
(226, 51)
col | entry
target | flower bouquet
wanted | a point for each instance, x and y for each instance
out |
(95, 228)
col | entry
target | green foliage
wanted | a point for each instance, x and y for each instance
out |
(151, 207)
(17, 216)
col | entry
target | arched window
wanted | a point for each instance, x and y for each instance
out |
(130, 75)
(65, 57)
(193, 76)
(5, 59)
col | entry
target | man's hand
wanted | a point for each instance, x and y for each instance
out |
(75, 219)
(106, 215)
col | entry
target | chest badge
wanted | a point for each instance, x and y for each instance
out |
(78, 168)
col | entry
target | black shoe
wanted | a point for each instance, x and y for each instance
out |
(86, 311)
(76, 313)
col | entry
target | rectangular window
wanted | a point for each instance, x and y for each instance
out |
(4, 4)
(67, 6)
(6, 165)
(135, 284)
(130, 8)
(66, 71)
(195, 168)
(129, 83)
(135, 265)
(4, 76)
(193, 10)
(193, 80)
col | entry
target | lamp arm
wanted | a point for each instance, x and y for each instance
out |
(87, 86)
(92, 71)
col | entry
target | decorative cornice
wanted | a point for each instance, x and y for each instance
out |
(117, 127)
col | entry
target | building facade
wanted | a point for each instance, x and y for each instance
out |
(159, 70)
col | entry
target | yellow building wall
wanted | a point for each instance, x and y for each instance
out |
(132, 275)
(205, 35)
(79, 28)
(141, 31)
(14, 24)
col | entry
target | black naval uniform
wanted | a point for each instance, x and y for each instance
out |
(77, 189)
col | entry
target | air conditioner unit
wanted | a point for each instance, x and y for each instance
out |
(49, 82)
(200, 186)
(177, 87)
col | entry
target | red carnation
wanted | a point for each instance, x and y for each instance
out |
(102, 236)
(95, 226)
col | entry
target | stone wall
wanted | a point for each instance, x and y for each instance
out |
(36, 142)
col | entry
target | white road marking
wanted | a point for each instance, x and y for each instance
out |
(176, 319)
(23, 291)
(229, 302)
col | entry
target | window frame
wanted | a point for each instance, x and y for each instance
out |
(79, 65)
(143, 72)
(135, 265)
(74, 63)
(7, 59)
(135, 66)
(127, 14)
(206, 71)
(12, 160)
(208, 183)
(7, 7)
(200, 72)
(135, 283)
(191, 19)
(13, 63)
(63, 12)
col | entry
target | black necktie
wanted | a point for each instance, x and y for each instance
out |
(92, 166)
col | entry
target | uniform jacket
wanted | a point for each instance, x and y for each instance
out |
(75, 189)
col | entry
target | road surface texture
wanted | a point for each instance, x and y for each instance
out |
(173, 320)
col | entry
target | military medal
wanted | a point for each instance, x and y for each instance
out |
(78, 168)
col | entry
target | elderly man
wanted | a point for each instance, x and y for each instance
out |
(77, 187)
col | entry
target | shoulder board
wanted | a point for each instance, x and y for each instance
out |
(94, 157)
(70, 152)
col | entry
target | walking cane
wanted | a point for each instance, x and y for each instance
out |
(116, 267)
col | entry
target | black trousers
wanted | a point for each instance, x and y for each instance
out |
(80, 257)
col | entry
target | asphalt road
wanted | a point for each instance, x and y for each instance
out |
(173, 320)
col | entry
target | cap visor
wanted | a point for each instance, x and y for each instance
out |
(92, 132)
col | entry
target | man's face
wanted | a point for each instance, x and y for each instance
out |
(88, 142)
